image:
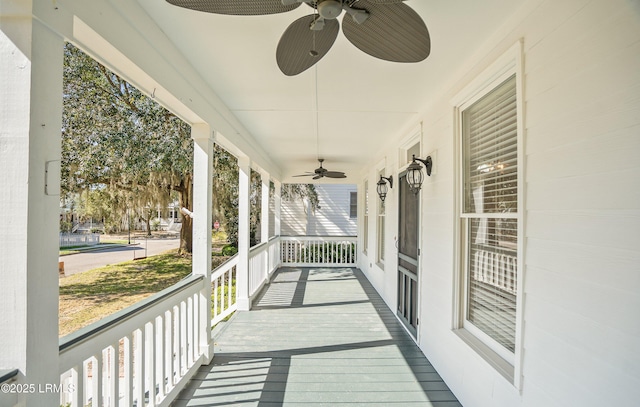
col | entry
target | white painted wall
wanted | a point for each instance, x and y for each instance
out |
(582, 213)
(331, 219)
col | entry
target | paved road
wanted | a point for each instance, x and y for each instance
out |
(77, 263)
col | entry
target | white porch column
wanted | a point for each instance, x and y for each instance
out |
(277, 204)
(31, 60)
(264, 216)
(202, 210)
(242, 270)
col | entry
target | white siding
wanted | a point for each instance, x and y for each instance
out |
(331, 219)
(582, 214)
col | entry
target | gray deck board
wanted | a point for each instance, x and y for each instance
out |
(317, 337)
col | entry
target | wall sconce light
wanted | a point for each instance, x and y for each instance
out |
(414, 173)
(381, 187)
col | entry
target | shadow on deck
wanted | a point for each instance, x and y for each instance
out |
(320, 337)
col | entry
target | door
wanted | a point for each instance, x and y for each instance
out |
(408, 251)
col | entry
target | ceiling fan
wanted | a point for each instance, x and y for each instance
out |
(385, 29)
(322, 172)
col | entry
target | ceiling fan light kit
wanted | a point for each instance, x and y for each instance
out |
(385, 29)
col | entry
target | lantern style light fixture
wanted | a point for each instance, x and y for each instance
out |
(414, 173)
(381, 187)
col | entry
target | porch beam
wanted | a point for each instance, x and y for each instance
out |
(242, 270)
(202, 208)
(31, 68)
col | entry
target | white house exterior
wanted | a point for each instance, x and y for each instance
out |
(336, 215)
(568, 333)
(578, 317)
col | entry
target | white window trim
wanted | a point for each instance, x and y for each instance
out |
(414, 137)
(509, 64)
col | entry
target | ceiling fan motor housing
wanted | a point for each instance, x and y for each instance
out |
(329, 9)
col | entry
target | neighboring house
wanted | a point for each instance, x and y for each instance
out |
(336, 215)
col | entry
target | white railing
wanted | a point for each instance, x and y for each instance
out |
(316, 251)
(9, 396)
(497, 269)
(143, 355)
(223, 290)
(258, 264)
(264, 259)
(88, 239)
(274, 255)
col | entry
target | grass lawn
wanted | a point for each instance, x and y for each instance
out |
(88, 297)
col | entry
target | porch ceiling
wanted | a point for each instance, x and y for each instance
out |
(363, 102)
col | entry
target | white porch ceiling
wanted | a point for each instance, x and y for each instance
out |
(363, 102)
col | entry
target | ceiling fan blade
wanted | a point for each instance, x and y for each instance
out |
(393, 32)
(303, 175)
(298, 50)
(334, 174)
(236, 7)
(386, 1)
(318, 177)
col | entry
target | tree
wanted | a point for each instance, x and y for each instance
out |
(118, 141)
(123, 152)
(292, 192)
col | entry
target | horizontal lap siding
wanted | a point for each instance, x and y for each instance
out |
(582, 287)
(581, 215)
(331, 219)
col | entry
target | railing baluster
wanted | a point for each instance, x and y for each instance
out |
(168, 351)
(195, 348)
(114, 374)
(159, 355)
(183, 338)
(128, 370)
(77, 394)
(216, 297)
(150, 357)
(230, 282)
(139, 365)
(96, 380)
(189, 349)
(176, 345)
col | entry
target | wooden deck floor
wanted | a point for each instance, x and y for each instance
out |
(317, 337)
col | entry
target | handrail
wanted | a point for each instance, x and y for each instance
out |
(319, 237)
(258, 246)
(95, 329)
(8, 374)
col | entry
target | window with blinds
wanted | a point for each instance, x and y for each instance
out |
(490, 214)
